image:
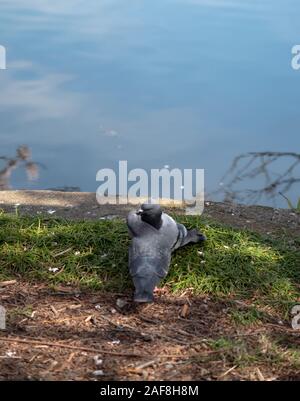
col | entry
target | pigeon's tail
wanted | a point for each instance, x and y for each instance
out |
(187, 236)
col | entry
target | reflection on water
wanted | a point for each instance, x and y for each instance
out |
(22, 160)
(184, 83)
(259, 167)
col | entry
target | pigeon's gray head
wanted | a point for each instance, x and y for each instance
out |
(151, 214)
(144, 287)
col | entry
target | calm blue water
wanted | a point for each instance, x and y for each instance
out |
(184, 83)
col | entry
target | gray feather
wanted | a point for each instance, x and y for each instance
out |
(151, 248)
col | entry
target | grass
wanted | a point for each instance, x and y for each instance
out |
(243, 352)
(93, 255)
(295, 208)
(247, 355)
(249, 317)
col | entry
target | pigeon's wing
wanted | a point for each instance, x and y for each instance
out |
(173, 234)
(135, 225)
(168, 232)
(182, 233)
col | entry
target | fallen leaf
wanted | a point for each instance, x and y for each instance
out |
(185, 310)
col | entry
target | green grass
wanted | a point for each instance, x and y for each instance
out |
(295, 208)
(93, 255)
(264, 351)
(248, 317)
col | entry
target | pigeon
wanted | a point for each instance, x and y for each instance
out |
(155, 235)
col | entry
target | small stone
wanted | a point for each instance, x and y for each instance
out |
(121, 303)
(53, 269)
(108, 217)
(98, 373)
(10, 354)
(97, 359)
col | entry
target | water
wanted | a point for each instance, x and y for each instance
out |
(184, 83)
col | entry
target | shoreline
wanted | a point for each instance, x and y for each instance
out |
(84, 206)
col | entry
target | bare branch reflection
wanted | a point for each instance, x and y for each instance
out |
(22, 159)
(259, 166)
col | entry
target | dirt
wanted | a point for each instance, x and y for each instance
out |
(59, 335)
(83, 205)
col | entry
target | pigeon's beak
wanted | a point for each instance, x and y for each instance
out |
(139, 212)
